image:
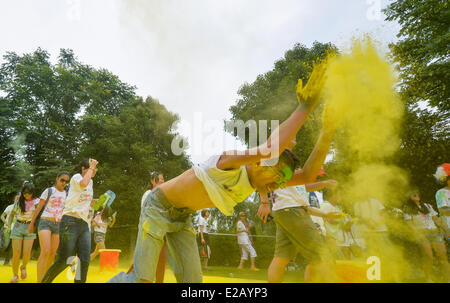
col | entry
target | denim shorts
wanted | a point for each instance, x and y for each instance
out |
(20, 232)
(99, 237)
(49, 225)
(160, 221)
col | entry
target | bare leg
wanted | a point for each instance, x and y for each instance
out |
(276, 269)
(45, 244)
(441, 253)
(100, 245)
(428, 259)
(17, 251)
(53, 250)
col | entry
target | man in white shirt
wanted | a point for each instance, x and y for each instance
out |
(296, 232)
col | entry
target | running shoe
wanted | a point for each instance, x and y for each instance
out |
(23, 273)
(15, 279)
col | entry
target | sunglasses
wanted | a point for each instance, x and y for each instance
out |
(64, 180)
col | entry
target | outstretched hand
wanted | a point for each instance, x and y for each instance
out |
(264, 211)
(264, 206)
(310, 94)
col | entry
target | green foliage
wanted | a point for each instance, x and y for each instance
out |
(422, 55)
(422, 52)
(127, 147)
(53, 115)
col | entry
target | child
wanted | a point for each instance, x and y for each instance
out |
(21, 237)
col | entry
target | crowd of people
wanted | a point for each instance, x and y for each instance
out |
(61, 217)
(223, 181)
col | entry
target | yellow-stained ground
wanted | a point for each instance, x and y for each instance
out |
(97, 276)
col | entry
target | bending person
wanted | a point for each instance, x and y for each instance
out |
(222, 181)
(101, 222)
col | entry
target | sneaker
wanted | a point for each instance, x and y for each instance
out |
(23, 273)
(15, 279)
(254, 269)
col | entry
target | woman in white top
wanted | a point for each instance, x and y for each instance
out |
(423, 220)
(244, 241)
(48, 229)
(22, 240)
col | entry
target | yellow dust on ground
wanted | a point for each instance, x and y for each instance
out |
(97, 276)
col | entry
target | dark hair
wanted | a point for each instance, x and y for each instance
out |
(290, 159)
(84, 163)
(107, 212)
(29, 187)
(204, 211)
(154, 176)
(411, 207)
(62, 173)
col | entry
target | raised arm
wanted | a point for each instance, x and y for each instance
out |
(284, 133)
(321, 185)
(90, 172)
(315, 160)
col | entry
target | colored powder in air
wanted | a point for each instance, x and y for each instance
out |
(360, 98)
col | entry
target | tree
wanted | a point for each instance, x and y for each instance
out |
(42, 106)
(128, 146)
(422, 52)
(422, 55)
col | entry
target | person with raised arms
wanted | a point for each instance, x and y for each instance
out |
(75, 236)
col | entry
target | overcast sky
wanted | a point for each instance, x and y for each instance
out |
(191, 55)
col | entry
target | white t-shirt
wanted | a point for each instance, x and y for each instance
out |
(292, 196)
(79, 199)
(30, 207)
(55, 204)
(442, 200)
(242, 237)
(423, 221)
(103, 226)
(370, 209)
(202, 222)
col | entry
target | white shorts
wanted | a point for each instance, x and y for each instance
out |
(247, 249)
